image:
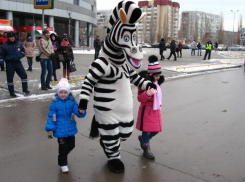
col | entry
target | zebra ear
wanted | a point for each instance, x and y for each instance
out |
(123, 16)
(142, 16)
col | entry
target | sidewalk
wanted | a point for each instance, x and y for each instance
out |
(83, 58)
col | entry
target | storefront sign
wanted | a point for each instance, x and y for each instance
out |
(43, 4)
(29, 28)
(5, 22)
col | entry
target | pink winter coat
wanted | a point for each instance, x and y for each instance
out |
(29, 47)
(149, 120)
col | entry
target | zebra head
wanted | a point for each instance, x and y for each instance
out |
(120, 44)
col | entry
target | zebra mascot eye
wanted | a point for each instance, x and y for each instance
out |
(126, 38)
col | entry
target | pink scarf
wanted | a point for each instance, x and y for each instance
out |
(157, 102)
(65, 43)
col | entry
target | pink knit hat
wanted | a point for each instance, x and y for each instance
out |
(63, 85)
(154, 66)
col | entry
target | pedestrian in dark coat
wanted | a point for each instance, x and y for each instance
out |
(55, 60)
(3, 39)
(162, 47)
(58, 39)
(172, 50)
(216, 46)
(11, 52)
(97, 47)
(199, 49)
(66, 50)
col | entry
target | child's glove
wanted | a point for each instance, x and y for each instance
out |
(50, 134)
(150, 92)
(81, 111)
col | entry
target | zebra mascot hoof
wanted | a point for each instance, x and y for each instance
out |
(110, 77)
(115, 165)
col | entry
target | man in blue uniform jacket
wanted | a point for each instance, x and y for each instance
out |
(11, 52)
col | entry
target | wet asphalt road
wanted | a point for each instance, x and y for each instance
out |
(202, 140)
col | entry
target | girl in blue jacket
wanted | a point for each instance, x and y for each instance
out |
(61, 121)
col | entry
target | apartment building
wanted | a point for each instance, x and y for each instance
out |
(162, 21)
(200, 26)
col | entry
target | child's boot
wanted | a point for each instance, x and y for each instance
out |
(140, 139)
(147, 153)
(64, 169)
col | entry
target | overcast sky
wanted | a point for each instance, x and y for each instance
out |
(209, 6)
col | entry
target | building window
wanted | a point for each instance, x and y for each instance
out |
(76, 2)
(92, 7)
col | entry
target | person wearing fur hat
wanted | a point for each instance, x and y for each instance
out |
(149, 119)
(61, 121)
(66, 50)
(12, 52)
(29, 45)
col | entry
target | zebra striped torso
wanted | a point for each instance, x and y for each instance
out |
(113, 99)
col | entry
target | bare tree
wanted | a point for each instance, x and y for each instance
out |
(152, 29)
(195, 36)
(221, 30)
(239, 30)
(207, 29)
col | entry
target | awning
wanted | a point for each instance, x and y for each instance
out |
(7, 29)
(41, 32)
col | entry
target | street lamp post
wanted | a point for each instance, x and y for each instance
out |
(69, 14)
(233, 25)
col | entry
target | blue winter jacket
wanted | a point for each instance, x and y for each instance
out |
(61, 119)
(12, 51)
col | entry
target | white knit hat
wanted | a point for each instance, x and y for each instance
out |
(63, 85)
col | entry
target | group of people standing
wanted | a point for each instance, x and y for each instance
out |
(198, 45)
(195, 45)
(51, 47)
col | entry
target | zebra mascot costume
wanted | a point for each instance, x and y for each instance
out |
(110, 76)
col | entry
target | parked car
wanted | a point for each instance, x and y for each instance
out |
(236, 48)
(186, 46)
(222, 47)
(155, 45)
(167, 45)
(145, 45)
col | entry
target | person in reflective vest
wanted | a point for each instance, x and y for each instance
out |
(208, 50)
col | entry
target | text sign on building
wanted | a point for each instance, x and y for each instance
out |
(242, 37)
(43, 4)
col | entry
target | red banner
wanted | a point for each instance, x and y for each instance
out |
(29, 28)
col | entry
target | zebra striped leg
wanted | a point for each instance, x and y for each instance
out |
(110, 143)
(111, 134)
(126, 130)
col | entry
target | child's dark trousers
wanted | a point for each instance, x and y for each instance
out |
(65, 146)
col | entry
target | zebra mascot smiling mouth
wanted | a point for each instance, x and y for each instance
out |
(110, 76)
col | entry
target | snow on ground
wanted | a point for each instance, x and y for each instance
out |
(31, 98)
(236, 59)
(87, 51)
(84, 51)
(200, 67)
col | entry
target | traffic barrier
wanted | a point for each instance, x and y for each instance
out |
(201, 66)
(69, 80)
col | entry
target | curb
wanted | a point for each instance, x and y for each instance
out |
(215, 69)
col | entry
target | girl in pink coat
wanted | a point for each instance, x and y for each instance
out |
(149, 116)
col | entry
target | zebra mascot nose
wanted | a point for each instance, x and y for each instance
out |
(134, 50)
